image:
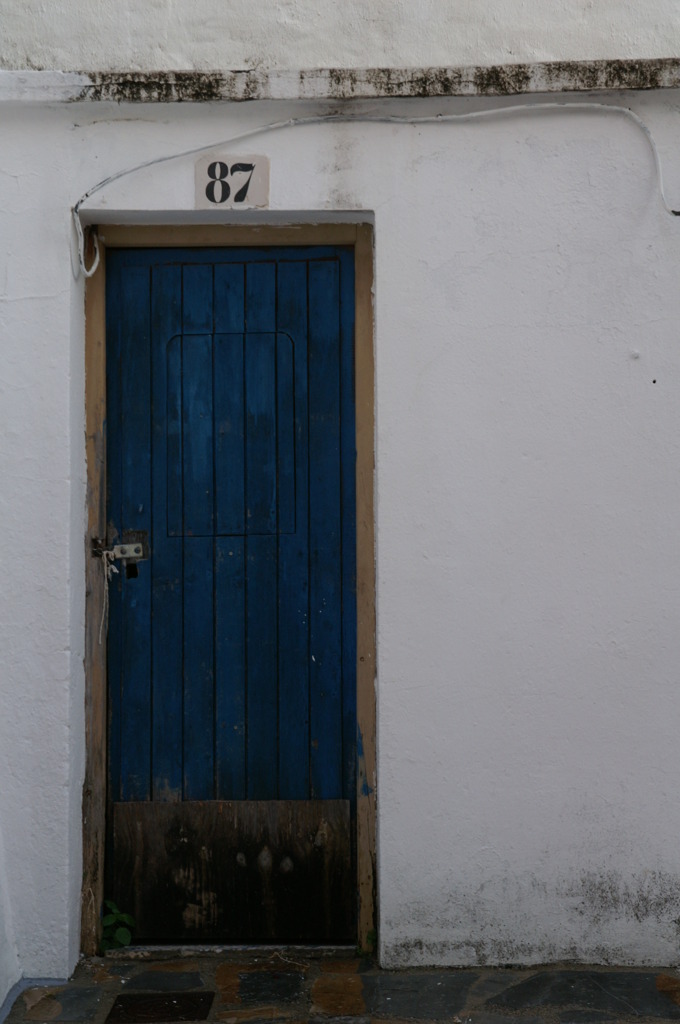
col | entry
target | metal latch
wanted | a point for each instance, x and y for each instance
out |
(127, 551)
(134, 548)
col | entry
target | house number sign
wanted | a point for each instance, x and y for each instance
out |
(226, 181)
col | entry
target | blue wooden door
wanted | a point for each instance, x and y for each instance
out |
(232, 643)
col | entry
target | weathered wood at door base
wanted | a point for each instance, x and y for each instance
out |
(236, 870)
(245, 950)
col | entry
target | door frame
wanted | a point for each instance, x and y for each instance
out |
(360, 237)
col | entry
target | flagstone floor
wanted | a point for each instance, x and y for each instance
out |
(290, 987)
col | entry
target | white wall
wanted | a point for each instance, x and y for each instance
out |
(9, 961)
(207, 34)
(41, 546)
(528, 441)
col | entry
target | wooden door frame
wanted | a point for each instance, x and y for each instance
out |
(360, 237)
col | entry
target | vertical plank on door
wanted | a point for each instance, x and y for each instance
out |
(230, 653)
(166, 549)
(174, 490)
(349, 547)
(198, 496)
(114, 330)
(261, 588)
(135, 441)
(325, 556)
(285, 434)
(229, 397)
(294, 546)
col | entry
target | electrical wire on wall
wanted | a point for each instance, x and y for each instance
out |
(296, 122)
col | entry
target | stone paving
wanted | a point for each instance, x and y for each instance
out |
(291, 987)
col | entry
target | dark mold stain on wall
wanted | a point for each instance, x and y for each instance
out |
(604, 895)
(472, 929)
(380, 83)
(172, 87)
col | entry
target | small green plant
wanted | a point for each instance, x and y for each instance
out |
(117, 927)
(369, 948)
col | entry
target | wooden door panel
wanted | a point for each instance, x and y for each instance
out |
(231, 444)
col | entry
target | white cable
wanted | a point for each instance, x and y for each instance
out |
(81, 246)
(109, 568)
(295, 122)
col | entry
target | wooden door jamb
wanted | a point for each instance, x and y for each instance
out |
(360, 236)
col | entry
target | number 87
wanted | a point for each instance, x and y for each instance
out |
(218, 172)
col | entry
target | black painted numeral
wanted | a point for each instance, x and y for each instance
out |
(218, 189)
(243, 191)
(218, 172)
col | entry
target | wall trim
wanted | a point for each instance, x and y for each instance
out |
(22, 985)
(337, 83)
(360, 236)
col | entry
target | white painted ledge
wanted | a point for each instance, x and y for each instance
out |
(337, 84)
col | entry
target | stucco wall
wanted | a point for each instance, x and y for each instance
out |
(528, 437)
(41, 550)
(164, 34)
(9, 961)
